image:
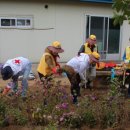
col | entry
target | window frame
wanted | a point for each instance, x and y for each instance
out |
(108, 56)
(16, 22)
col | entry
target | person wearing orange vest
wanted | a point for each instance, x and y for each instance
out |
(89, 47)
(48, 63)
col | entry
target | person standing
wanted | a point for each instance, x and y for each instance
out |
(12, 69)
(88, 48)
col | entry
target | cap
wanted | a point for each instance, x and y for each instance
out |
(6, 73)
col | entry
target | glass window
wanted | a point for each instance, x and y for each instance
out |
(20, 22)
(104, 29)
(28, 22)
(16, 22)
(7, 22)
(97, 28)
(113, 40)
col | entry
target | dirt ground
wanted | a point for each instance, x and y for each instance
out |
(33, 87)
(64, 80)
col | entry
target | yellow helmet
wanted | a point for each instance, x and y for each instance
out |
(56, 47)
(56, 44)
(92, 37)
(96, 55)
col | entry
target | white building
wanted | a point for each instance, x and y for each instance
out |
(28, 26)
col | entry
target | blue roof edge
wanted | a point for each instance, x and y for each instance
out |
(98, 1)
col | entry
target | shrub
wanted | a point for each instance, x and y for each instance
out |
(89, 118)
(18, 117)
(71, 120)
(3, 113)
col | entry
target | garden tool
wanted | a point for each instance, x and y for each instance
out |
(124, 76)
(85, 86)
(88, 82)
(82, 83)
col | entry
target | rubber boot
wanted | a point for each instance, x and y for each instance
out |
(75, 101)
(88, 85)
(78, 91)
(129, 91)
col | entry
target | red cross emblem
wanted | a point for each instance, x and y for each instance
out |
(17, 61)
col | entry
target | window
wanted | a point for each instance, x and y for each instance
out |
(15, 22)
(7, 22)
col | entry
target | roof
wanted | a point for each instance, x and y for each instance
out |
(98, 1)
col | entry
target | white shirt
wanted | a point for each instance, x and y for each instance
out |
(17, 64)
(80, 64)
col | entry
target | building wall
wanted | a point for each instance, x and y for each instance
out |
(28, 43)
(63, 21)
(125, 35)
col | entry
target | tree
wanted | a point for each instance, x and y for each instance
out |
(121, 11)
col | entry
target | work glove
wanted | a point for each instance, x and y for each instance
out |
(57, 70)
(7, 88)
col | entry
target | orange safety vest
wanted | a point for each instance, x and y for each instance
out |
(43, 67)
(88, 50)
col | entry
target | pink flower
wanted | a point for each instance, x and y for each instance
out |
(64, 105)
(61, 119)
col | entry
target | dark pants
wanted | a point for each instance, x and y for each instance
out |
(127, 81)
(40, 76)
(74, 79)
